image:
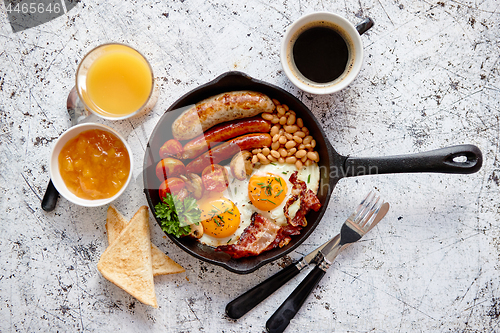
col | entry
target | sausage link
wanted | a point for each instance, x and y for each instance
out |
(224, 132)
(218, 109)
(228, 149)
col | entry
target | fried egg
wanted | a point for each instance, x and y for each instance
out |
(220, 217)
(226, 215)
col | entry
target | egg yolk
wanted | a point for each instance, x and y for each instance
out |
(266, 192)
(219, 216)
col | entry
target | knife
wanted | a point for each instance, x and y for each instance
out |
(247, 301)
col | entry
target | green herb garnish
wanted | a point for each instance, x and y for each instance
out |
(267, 200)
(172, 210)
(269, 190)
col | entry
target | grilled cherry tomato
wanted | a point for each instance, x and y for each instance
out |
(169, 167)
(214, 178)
(171, 185)
(171, 148)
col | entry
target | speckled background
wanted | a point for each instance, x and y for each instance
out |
(430, 79)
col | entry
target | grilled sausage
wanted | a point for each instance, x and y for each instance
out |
(224, 132)
(228, 149)
(218, 109)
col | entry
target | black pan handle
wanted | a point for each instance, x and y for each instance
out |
(281, 318)
(247, 301)
(50, 198)
(463, 159)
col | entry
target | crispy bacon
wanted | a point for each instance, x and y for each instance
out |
(261, 235)
(254, 240)
(308, 201)
(283, 236)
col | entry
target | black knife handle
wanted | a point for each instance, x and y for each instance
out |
(50, 198)
(247, 301)
(281, 318)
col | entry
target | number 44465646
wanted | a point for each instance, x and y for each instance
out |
(32, 8)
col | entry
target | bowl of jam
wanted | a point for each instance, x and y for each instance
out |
(91, 165)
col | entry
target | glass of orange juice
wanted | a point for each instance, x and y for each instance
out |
(115, 81)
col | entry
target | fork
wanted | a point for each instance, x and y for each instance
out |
(354, 228)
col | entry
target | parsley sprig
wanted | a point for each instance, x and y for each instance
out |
(172, 211)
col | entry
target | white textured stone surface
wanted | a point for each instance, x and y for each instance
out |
(430, 79)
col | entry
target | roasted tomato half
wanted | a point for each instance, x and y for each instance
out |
(215, 178)
(171, 148)
(171, 185)
(169, 167)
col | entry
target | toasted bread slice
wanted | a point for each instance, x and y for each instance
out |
(127, 262)
(162, 264)
(115, 223)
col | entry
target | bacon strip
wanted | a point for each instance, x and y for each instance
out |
(283, 236)
(256, 238)
(308, 201)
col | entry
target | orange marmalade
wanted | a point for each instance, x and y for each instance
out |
(94, 165)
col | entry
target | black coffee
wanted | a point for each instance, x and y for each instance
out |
(320, 54)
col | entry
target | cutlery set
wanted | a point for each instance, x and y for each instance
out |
(368, 213)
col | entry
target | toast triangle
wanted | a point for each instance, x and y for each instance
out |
(127, 262)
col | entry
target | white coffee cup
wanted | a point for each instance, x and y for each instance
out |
(353, 59)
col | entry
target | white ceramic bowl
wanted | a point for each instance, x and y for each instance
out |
(54, 165)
